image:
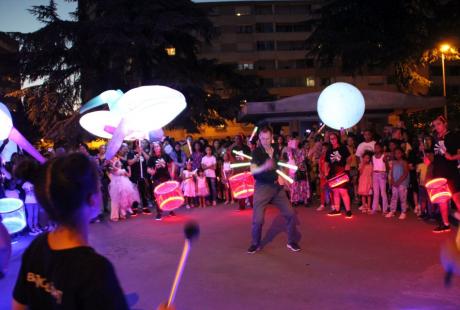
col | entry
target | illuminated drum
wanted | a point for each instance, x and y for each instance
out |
(169, 195)
(438, 190)
(338, 180)
(13, 214)
(242, 185)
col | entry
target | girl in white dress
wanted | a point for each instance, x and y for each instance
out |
(189, 185)
(122, 191)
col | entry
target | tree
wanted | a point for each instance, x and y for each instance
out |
(120, 44)
(384, 33)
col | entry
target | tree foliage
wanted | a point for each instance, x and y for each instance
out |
(120, 44)
(384, 33)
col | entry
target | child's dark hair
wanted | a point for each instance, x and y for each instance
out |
(368, 153)
(62, 185)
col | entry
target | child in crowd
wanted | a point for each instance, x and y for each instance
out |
(379, 179)
(189, 185)
(423, 173)
(123, 193)
(202, 188)
(399, 181)
(300, 189)
(32, 209)
(323, 172)
(365, 181)
(227, 172)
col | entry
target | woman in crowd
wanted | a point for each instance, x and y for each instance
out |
(197, 155)
(179, 159)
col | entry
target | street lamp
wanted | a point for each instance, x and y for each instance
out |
(444, 48)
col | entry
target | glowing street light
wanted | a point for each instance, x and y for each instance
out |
(171, 51)
(444, 48)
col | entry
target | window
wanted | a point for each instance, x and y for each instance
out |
(267, 83)
(265, 65)
(228, 47)
(265, 45)
(263, 10)
(246, 66)
(293, 9)
(244, 47)
(213, 11)
(244, 29)
(264, 27)
(290, 82)
(242, 10)
(310, 81)
(304, 63)
(286, 64)
(290, 45)
(227, 10)
(293, 27)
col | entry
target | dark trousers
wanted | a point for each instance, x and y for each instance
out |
(143, 187)
(212, 185)
(274, 194)
(105, 194)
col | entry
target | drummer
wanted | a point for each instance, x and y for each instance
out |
(336, 160)
(445, 165)
(158, 167)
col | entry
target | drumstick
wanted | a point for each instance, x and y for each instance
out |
(253, 133)
(284, 176)
(286, 165)
(191, 231)
(189, 146)
(239, 165)
(242, 154)
(321, 128)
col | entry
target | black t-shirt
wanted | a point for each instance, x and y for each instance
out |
(135, 167)
(337, 159)
(160, 163)
(77, 278)
(259, 157)
(441, 166)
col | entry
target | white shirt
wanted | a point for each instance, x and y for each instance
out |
(364, 147)
(379, 163)
(209, 161)
(30, 194)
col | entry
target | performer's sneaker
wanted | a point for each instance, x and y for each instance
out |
(253, 248)
(441, 228)
(294, 247)
(348, 215)
(158, 217)
(321, 208)
(146, 211)
(172, 213)
(334, 213)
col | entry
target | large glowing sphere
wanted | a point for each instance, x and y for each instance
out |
(13, 214)
(6, 123)
(147, 108)
(340, 105)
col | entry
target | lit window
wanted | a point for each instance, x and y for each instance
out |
(310, 82)
(246, 66)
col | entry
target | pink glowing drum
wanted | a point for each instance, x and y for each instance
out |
(438, 190)
(242, 185)
(338, 180)
(169, 195)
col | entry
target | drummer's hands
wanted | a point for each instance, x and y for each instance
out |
(269, 164)
(448, 156)
(165, 307)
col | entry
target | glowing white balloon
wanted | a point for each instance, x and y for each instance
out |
(100, 123)
(341, 105)
(6, 123)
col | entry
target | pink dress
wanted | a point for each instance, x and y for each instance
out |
(188, 184)
(202, 187)
(122, 193)
(365, 180)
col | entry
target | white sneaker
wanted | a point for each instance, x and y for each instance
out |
(402, 216)
(390, 214)
(187, 207)
(321, 208)
(361, 208)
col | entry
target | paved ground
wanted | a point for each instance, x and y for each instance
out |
(368, 262)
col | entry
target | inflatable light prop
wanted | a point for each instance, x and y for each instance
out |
(13, 215)
(341, 105)
(7, 130)
(131, 115)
